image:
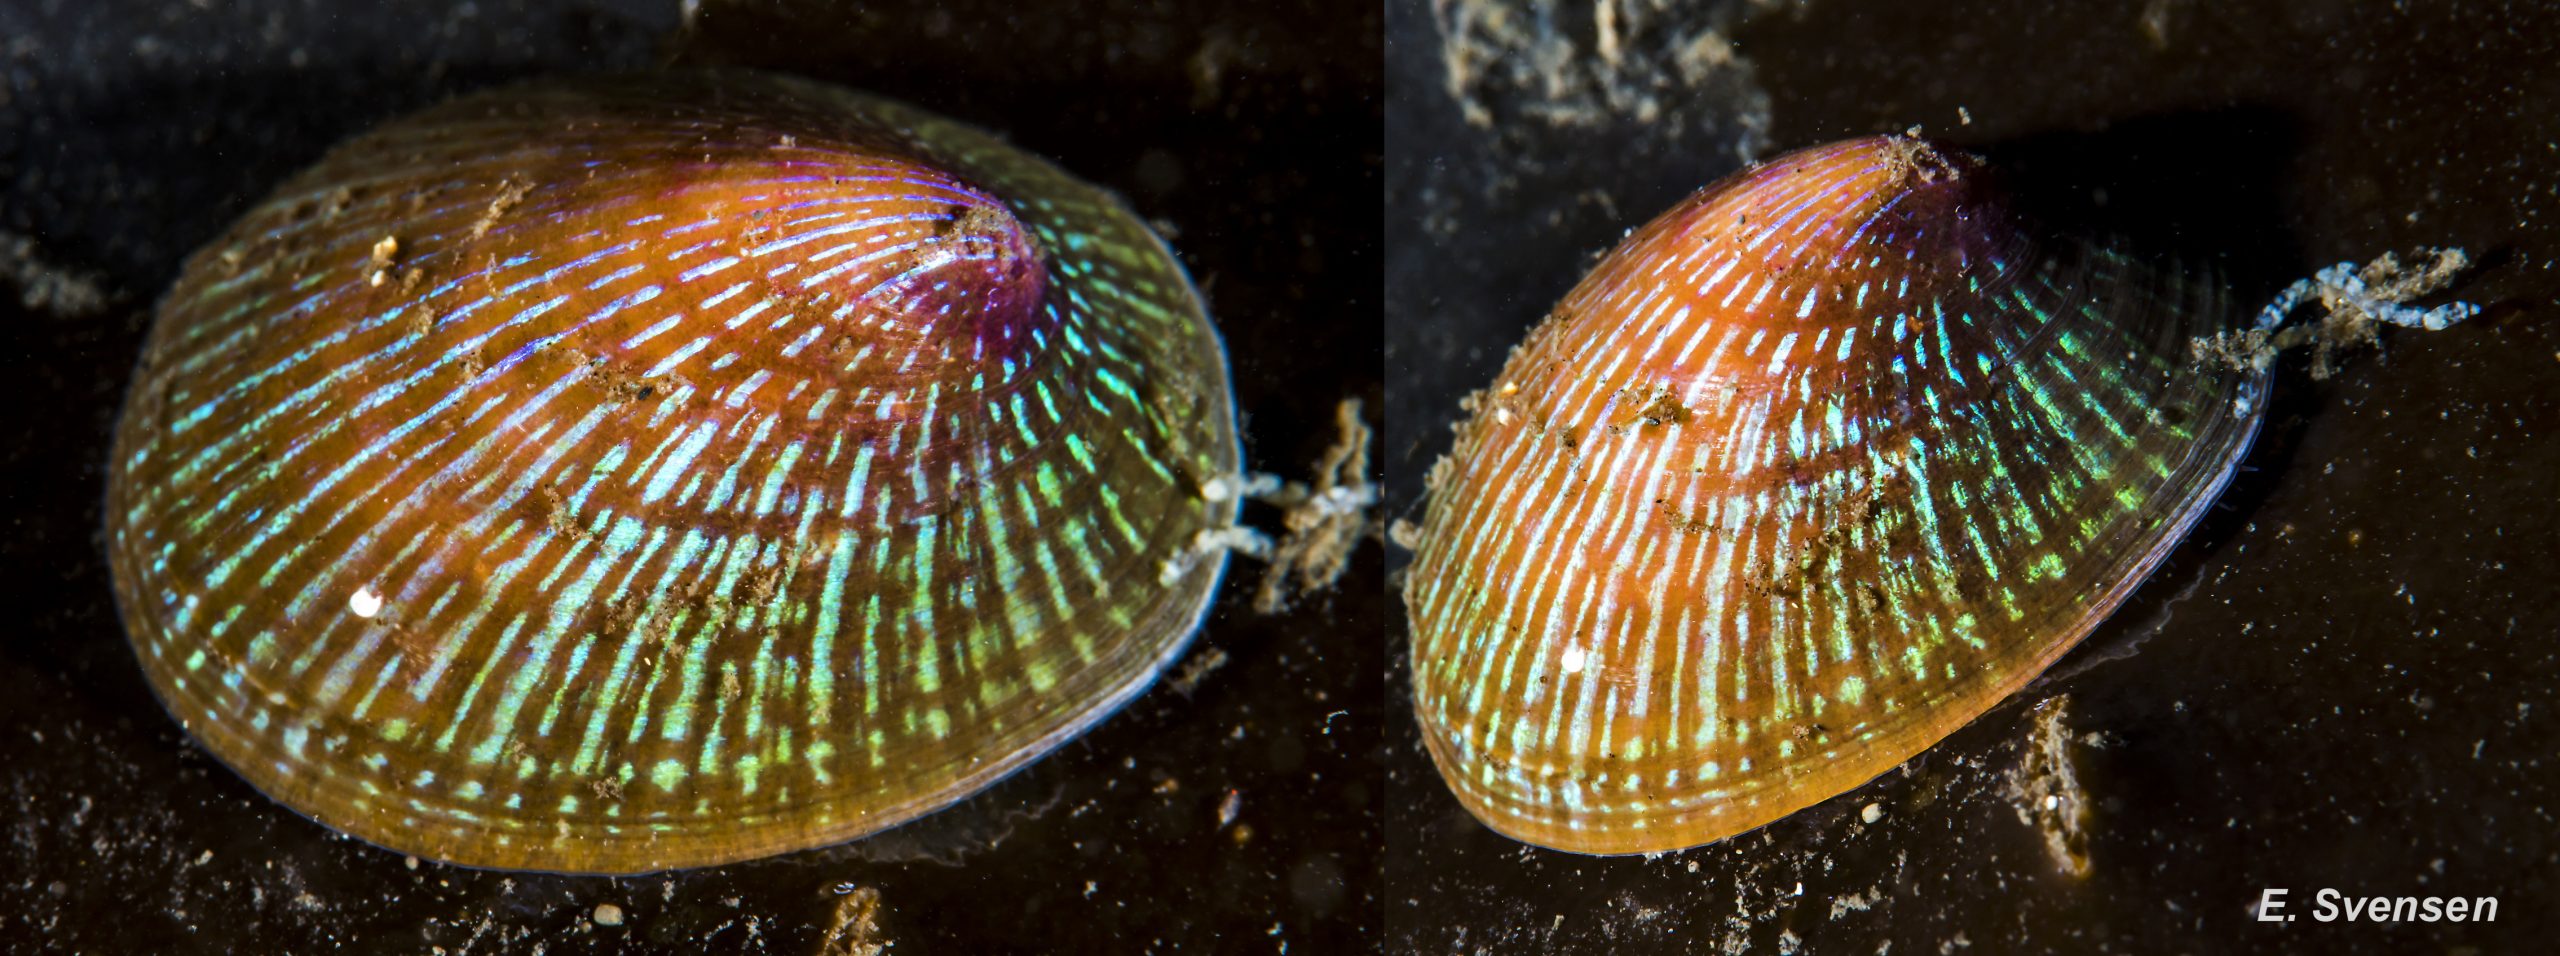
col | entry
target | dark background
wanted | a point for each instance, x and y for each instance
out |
(2348, 678)
(133, 130)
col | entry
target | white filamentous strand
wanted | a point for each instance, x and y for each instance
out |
(2342, 287)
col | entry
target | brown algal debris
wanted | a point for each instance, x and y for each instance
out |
(1694, 522)
(1324, 522)
(49, 288)
(854, 928)
(2246, 350)
(620, 382)
(1586, 64)
(2155, 22)
(1654, 408)
(729, 686)
(562, 518)
(337, 203)
(510, 192)
(417, 651)
(1207, 66)
(762, 584)
(755, 234)
(1405, 534)
(515, 750)
(1196, 669)
(2344, 326)
(979, 223)
(1443, 469)
(1789, 575)
(1473, 406)
(607, 788)
(1914, 159)
(619, 615)
(661, 629)
(378, 268)
(2046, 790)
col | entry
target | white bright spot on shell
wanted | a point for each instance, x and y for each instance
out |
(365, 603)
(1573, 658)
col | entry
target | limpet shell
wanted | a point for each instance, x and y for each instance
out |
(1809, 472)
(625, 474)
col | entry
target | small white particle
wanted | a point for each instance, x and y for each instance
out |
(412, 862)
(1573, 658)
(608, 914)
(1872, 813)
(365, 603)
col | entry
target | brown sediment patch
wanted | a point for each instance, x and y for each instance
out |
(853, 928)
(510, 192)
(2045, 789)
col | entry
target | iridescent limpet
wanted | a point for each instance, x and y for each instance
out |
(627, 474)
(1812, 470)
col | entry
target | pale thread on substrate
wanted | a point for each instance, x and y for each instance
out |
(2355, 303)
